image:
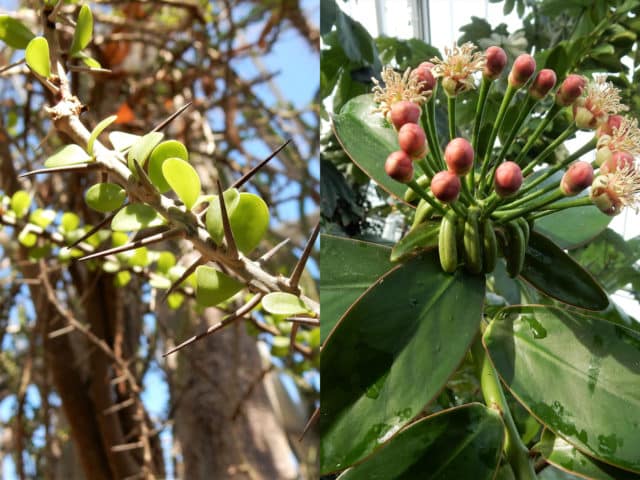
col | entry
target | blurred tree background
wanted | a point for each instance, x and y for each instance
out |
(99, 400)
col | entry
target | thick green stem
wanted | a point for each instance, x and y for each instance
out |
(431, 123)
(432, 139)
(510, 214)
(551, 114)
(426, 167)
(578, 202)
(549, 150)
(485, 86)
(516, 452)
(451, 105)
(506, 100)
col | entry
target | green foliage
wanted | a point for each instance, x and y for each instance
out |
(14, 33)
(37, 56)
(214, 287)
(136, 216)
(164, 151)
(105, 197)
(83, 32)
(282, 303)
(20, 203)
(141, 149)
(183, 179)
(98, 130)
(68, 155)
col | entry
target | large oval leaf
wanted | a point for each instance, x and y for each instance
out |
(368, 140)
(572, 227)
(168, 149)
(580, 377)
(422, 237)
(391, 354)
(461, 443)
(214, 287)
(14, 33)
(558, 452)
(37, 56)
(183, 179)
(136, 216)
(548, 268)
(84, 30)
(283, 303)
(348, 267)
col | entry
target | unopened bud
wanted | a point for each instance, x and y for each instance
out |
(543, 83)
(413, 140)
(522, 69)
(496, 60)
(459, 156)
(578, 176)
(614, 121)
(508, 179)
(404, 112)
(617, 161)
(570, 90)
(425, 76)
(446, 186)
(399, 166)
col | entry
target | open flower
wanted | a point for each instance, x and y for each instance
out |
(396, 88)
(458, 67)
(614, 191)
(625, 138)
(601, 100)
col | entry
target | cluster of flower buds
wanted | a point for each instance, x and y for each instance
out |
(499, 188)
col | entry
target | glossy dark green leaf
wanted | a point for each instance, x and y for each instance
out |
(14, 33)
(552, 271)
(391, 354)
(461, 443)
(37, 56)
(423, 237)
(348, 267)
(84, 30)
(562, 454)
(579, 376)
(136, 216)
(572, 227)
(368, 139)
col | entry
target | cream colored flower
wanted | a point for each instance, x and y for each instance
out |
(614, 191)
(458, 67)
(600, 100)
(396, 88)
(625, 138)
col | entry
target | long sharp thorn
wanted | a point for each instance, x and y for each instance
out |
(228, 234)
(182, 278)
(171, 117)
(97, 227)
(312, 421)
(241, 312)
(67, 168)
(273, 251)
(158, 237)
(247, 176)
(297, 271)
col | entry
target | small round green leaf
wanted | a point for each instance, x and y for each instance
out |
(37, 56)
(282, 303)
(165, 261)
(214, 215)
(68, 155)
(27, 238)
(42, 218)
(20, 203)
(98, 130)
(122, 140)
(83, 32)
(105, 197)
(69, 222)
(136, 216)
(122, 279)
(168, 149)
(175, 300)
(139, 257)
(142, 148)
(214, 287)
(14, 33)
(183, 179)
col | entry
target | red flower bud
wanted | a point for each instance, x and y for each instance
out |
(459, 156)
(424, 75)
(412, 140)
(617, 161)
(399, 166)
(404, 112)
(544, 82)
(496, 60)
(570, 90)
(614, 121)
(578, 176)
(446, 186)
(508, 179)
(522, 69)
